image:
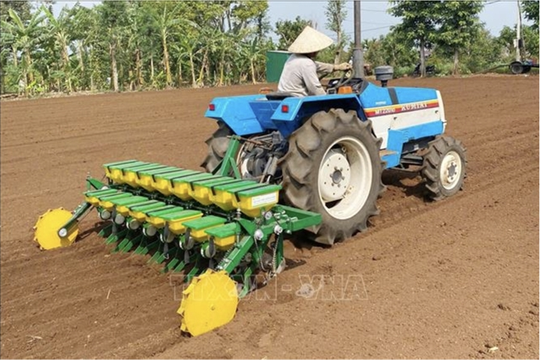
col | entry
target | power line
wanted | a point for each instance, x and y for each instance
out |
(372, 29)
(368, 10)
(373, 23)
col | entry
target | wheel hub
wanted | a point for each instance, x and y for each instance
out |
(450, 170)
(335, 175)
(452, 173)
(345, 178)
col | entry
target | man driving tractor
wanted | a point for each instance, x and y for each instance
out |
(301, 73)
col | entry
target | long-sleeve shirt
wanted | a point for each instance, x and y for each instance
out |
(300, 76)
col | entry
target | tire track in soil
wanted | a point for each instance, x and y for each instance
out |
(155, 331)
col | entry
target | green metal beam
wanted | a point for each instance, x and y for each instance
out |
(229, 162)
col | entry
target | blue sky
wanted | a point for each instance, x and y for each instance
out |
(375, 19)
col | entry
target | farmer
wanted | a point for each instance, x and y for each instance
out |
(300, 75)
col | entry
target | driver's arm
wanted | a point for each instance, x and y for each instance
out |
(324, 69)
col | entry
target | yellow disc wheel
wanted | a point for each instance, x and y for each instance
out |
(46, 229)
(210, 301)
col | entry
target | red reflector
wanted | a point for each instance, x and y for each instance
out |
(285, 108)
(211, 107)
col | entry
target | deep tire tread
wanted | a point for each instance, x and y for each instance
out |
(217, 147)
(298, 167)
(437, 149)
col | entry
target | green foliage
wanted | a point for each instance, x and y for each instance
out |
(459, 26)
(23, 37)
(530, 9)
(483, 54)
(248, 12)
(530, 36)
(506, 43)
(335, 15)
(419, 19)
(21, 7)
(450, 25)
(399, 50)
(327, 55)
(374, 55)
(393, 49)
(135, 45)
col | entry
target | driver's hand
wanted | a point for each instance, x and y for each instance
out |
(343, 67)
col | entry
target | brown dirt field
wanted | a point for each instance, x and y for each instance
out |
(450, 279)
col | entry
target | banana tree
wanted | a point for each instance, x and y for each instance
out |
(254, 53)
(58, 29)
(167, 22)
(26, 37)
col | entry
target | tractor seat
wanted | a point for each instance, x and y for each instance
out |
(277, 95)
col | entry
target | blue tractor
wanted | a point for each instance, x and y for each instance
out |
(328, 152)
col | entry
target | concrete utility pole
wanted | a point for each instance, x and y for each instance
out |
(519, 41)
(358, 56)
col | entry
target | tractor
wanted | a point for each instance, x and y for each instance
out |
(328, 152)
(276, 165)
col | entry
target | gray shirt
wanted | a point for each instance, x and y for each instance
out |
(300, 76)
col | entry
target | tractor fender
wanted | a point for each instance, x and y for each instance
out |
(237, 113)
(293, 107)
(292, 111)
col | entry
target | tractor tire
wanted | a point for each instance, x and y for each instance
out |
(444, 167)
(333, 168)
(217, 147)
(516, 67)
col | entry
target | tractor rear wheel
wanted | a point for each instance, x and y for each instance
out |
(333, 168)
(444, 167)
(217, 146)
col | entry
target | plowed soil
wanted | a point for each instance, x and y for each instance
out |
(450, 279)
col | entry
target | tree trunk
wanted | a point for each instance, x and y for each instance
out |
(132, 80)
(15, 59)
(82, 81)
(16, 64)
(422, 58)
(253, 78)
(3, 81)
(65, 60)
(138, 66)
(455, 71)
(337, 58)
(28, 76)
(80, 55)
(29, 62)
(166, 59)
(222, 70)
(180, 80)
(114, 67)
(207, 69)
(200, 80)
(152, 70)
(192, 65)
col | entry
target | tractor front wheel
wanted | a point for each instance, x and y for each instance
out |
(444, 167)
(333, 168)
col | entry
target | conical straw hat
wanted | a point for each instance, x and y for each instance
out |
(310, 40)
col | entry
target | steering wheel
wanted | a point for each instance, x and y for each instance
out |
(345, 78)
